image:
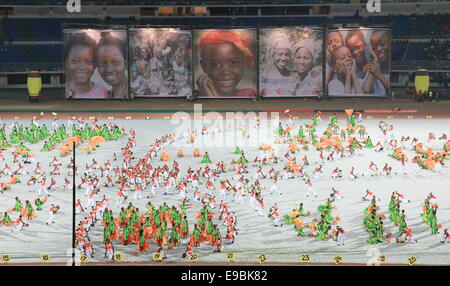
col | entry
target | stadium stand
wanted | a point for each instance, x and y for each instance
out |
(35, 30)
(420, 40)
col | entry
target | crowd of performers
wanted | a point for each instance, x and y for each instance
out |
(168, 226)
(337, 143)
(321, 226)
(373, 219)
(41, 183)
(163, 226)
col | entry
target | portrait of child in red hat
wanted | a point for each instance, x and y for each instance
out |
(224, 55)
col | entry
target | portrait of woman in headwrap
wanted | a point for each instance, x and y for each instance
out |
(291, 62)
(224, 56)
(276, 78)
(308, 75)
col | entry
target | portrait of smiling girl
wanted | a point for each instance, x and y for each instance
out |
(80, 62)
(112, 64)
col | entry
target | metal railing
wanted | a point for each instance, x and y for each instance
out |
(19, 67)
(58, 66)
(441, 65)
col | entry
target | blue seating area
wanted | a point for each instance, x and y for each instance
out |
(410, 54)
(51, 29)
(402, 26)
(38, 29)
(398, 49)
(292, 21)
(22, 57)
(428, 51)
(348, 19)
(433, 25)
(379, 20)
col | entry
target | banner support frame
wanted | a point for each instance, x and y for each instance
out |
(324, 63)
(129, 62)
(258, 95)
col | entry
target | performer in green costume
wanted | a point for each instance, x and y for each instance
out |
(206, 159)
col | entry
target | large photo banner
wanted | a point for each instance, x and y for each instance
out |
(160, 62)
(358, 62)
(290, 62)
(224, 63)
(96, 64)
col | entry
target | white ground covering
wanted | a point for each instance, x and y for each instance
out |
(256, 235)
